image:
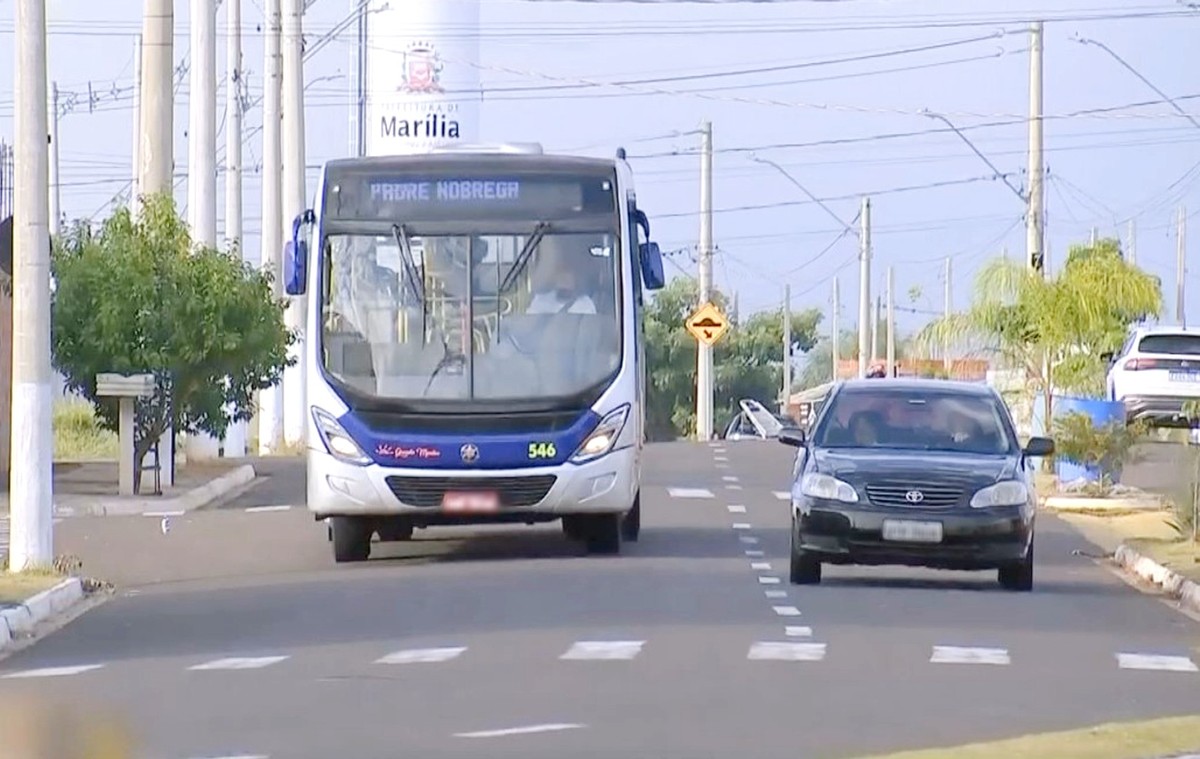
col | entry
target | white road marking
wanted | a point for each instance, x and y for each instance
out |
(422, 655)
(783, 495)
(733, 487)
(162, 513)
(721, 465)
(528, 730)
(604, 649)
(237, 756)
(265, 509)
(719, 451)
(963, 655)
(749, 540)
(768, 580)
(795, 631)
(742, 526)
(762, 566)
(730, 478)
(755, 554)
(786, 611)
(238, 662)
(775, 593)
(689, 493)
(769, 650)
(721, 458)
(52, 671)
(1156, 663)
(736, 509)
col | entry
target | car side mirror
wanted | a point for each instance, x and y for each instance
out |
(1038, 447)
(295, 267)
(792, 436)
(650, 257)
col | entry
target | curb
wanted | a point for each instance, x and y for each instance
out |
(189, 501)
(21, 620)
(1186, 592)
(1112, 506)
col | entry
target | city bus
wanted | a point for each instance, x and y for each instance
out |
(474, 348)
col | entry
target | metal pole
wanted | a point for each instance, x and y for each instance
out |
(294, 199)
(947, 363)
(31, 487)
(158, 96)
(1181, 268)
(787, 347)
(875, 315)
(1035, 235)
(1132, 255)
(891, 323)
(361, 94)
(835, 334)
(704, 385)
(202, 159)
(55, 186)
(135, 191)
(235, 435)
(270, 412)
(864, 288)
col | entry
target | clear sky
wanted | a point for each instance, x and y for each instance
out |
(1105, 168)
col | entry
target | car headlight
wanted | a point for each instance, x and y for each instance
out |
(1007, 493)
(603, 438)
(339, 444)
(827, 488)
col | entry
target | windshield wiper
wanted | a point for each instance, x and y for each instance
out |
(522, 260)
(415, 283)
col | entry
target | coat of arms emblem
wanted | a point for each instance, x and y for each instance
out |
(422, 69)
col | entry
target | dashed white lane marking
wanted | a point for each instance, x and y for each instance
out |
(238, 662)
(265, 509)
(236, 756)
(776, 594)
(52, 671)
(783, 495)
(755, 554)
(764, 650)
(733, 487)
(689, 493)
(742, 526)
(965, 655)
(1156, 662)
(719, 450)
(163, 513)
(730, 478)
(761, 566)
(796, 631)
(786, 611)
(749, 540)
(736, 508)
(527, 730)
(422, 655)
(721, 459)
(604, 649)
(721, 465)
(768, 580)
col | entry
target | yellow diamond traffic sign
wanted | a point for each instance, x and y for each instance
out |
(707, 324)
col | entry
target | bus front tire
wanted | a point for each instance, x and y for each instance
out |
(351, 539)
(631, 524)
(604, 534)
(393, 530)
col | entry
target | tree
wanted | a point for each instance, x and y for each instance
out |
(137, 296)
(1053, 328)
(748, 362)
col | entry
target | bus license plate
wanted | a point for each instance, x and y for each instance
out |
(912, 532)
(471, 502)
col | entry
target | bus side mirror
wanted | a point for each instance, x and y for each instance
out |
(652, 266)
(295, 267)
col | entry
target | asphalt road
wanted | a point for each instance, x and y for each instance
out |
(236, 635)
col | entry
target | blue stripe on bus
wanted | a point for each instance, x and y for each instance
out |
(493, 451)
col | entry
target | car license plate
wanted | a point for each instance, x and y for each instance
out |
(470, 502)
(1184, 376)
(912, 532)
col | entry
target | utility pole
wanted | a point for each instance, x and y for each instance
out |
(202, 158)
(270, 401)
(1035, 216)
(1095, 237)
(31, 485)
(1131, 254)
(294, 198)
(135, 191)
(55, 187)
(360, 63)
(875, 317)
(704, 366)
(864, 288)
(235, 435)
(156, 153)
(835, 335)
(946, 310)
(891, 323)
(787, 348)
(1181, 268)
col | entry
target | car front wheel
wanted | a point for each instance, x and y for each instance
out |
(1018, 576)
(805, 569)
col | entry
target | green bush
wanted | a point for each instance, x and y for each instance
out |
(1108, 447)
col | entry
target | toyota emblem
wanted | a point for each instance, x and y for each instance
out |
(914, 496)
(469, 452)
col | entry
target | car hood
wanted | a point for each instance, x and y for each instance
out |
(859, 465)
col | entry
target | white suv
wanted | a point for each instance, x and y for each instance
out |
(1155, 373)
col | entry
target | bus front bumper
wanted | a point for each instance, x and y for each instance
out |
(605, 486)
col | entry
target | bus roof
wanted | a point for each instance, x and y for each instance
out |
(468, 158)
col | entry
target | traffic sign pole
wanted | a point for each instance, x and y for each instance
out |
(704, 360)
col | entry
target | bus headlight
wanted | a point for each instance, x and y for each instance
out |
(603, 438)
(339, 444)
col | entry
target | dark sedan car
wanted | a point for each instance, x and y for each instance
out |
(914, 472)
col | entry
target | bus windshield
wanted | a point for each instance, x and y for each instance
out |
(489, 308)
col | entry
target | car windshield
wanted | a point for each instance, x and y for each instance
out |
(907, 419)
(461, 316)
